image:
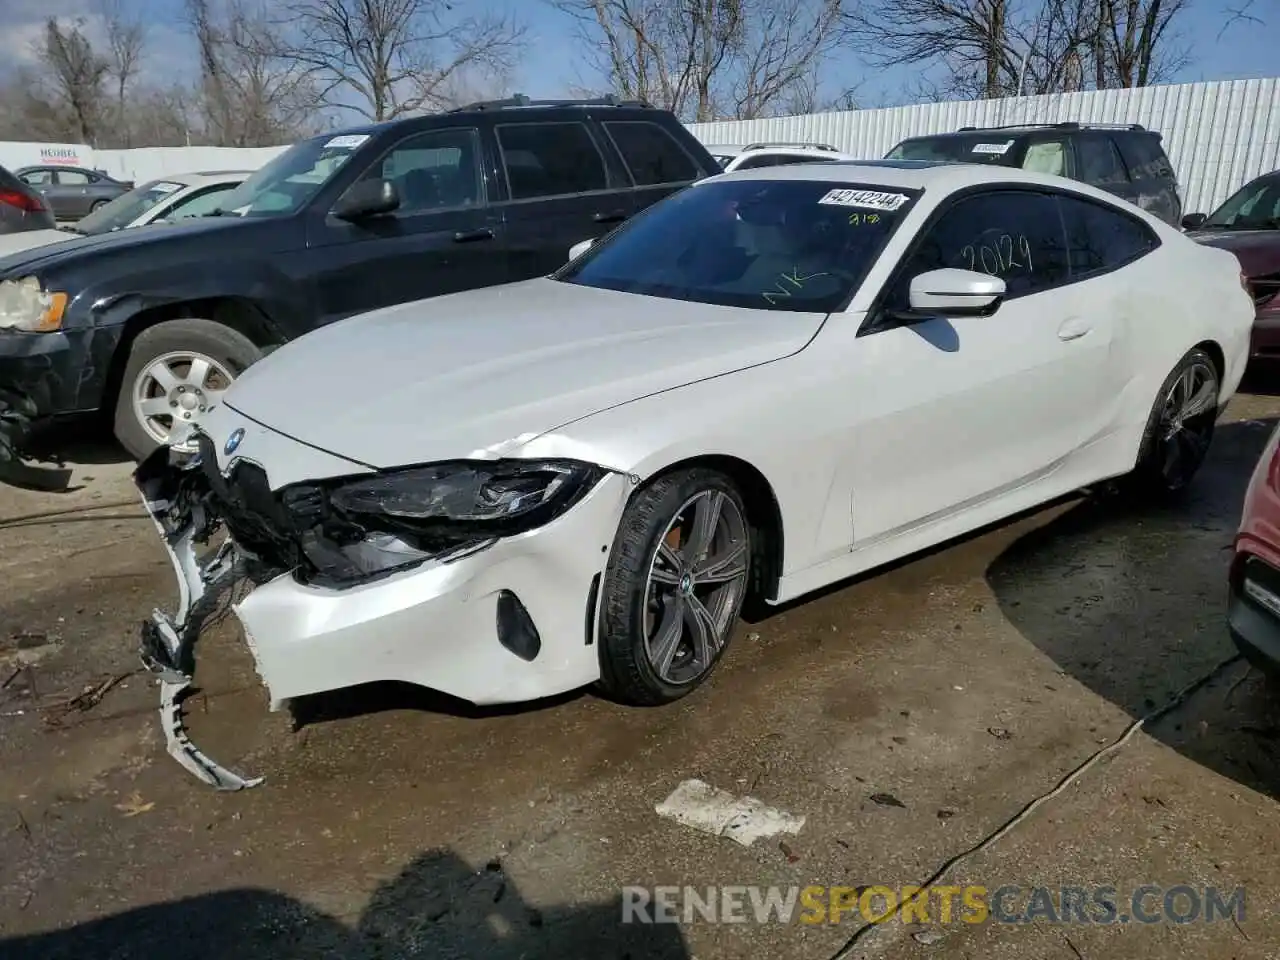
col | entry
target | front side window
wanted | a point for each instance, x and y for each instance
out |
(1100, 161)
(1256, 206)
(1099, 238)
(1014, 235)
(37, 178)
(651, 154)
(1048, 156)
(439, 170)
(784, 245)
(287, 183)
(127, 207)
(199, 203)
(550, 159)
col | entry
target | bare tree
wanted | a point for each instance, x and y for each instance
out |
(386, 58)
(250, 95)
(126, 37)
(709, 58)
(1132, 40)
(77, 73)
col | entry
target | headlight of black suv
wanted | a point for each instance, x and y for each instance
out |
(366, 527)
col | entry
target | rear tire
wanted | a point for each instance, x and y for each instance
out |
(224, 352)
(1179, 429)
(97, 205)
(674, 586)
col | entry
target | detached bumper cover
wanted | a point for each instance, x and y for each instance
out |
(507, 622)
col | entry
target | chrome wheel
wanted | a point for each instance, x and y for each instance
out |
(696, 580)
(1186, 423)
(174, 388)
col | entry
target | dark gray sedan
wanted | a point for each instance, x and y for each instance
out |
(21, 208)
(73, 192)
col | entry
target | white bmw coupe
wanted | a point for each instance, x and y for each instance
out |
(765, 384)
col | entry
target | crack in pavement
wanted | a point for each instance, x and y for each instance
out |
(1033, 805)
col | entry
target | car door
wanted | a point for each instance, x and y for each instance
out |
(72, 191)
(41, 180)
(560, 192)
(1100, 165)
(952, 412)
(443, 238)
(657, 162)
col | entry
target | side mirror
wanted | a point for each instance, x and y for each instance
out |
(1193, 221)
(368, 198)
(956, 293)
(579, 248)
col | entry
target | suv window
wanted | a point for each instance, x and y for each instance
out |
(1099, 238)
(438, 170)
(1144, 156)
(651, 154)
(1047, 156)
(778, 160)
(1100, 161)
(1012, 234)
(550, 159)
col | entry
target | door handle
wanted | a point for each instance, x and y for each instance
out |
(469, 236)
(1074, 328)
(614, 216)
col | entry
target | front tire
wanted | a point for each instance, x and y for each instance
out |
(177, 371)
(674, 587)
(1179, 428)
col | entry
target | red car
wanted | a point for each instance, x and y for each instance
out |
(1253, 611)
(1248, 224)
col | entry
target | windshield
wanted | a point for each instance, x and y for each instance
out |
(985, 147)
(1255, 206)
(791, 245)
(127, 207)
(287, 183)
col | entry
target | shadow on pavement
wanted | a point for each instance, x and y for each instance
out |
(438, 908)
(1131, 602)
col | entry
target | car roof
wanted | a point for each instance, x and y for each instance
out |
(906, 175)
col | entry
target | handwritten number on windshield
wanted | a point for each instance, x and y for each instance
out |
(859, 219)
(1000, 256)
(786, 282)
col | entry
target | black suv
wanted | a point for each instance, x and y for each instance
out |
(153, 325)
(1127, 160)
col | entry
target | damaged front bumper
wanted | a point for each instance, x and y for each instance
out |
(509, 620)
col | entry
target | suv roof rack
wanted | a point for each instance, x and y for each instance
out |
(520, 100)
(765, 144)
(1066, 125)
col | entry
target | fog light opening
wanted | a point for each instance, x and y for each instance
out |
(516, 631)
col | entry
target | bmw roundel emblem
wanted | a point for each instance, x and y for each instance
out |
(233, 441)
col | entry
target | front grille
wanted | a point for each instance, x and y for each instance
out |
(252, 513)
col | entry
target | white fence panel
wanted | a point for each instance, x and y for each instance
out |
(1218, 135)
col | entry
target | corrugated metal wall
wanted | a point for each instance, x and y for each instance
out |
(1218, 135)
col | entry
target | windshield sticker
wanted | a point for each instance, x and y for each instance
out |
(164, 189)
(998, 149)
(786, 282)
(348, 141)
(868, 199)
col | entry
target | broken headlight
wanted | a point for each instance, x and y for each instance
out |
(372, 526)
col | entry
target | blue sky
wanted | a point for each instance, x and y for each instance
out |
(550, 67)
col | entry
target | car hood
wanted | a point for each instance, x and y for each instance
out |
(1257, 250)
(11, 243)
(477, 374)
(36, 259)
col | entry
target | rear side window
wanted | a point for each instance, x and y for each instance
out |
(1144, 156)
(550, 159)
(1100, 161)
(1100, 238)
(652, 155)
(73, 178)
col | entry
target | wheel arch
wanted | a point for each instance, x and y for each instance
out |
(764, 513)
(238, 313)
